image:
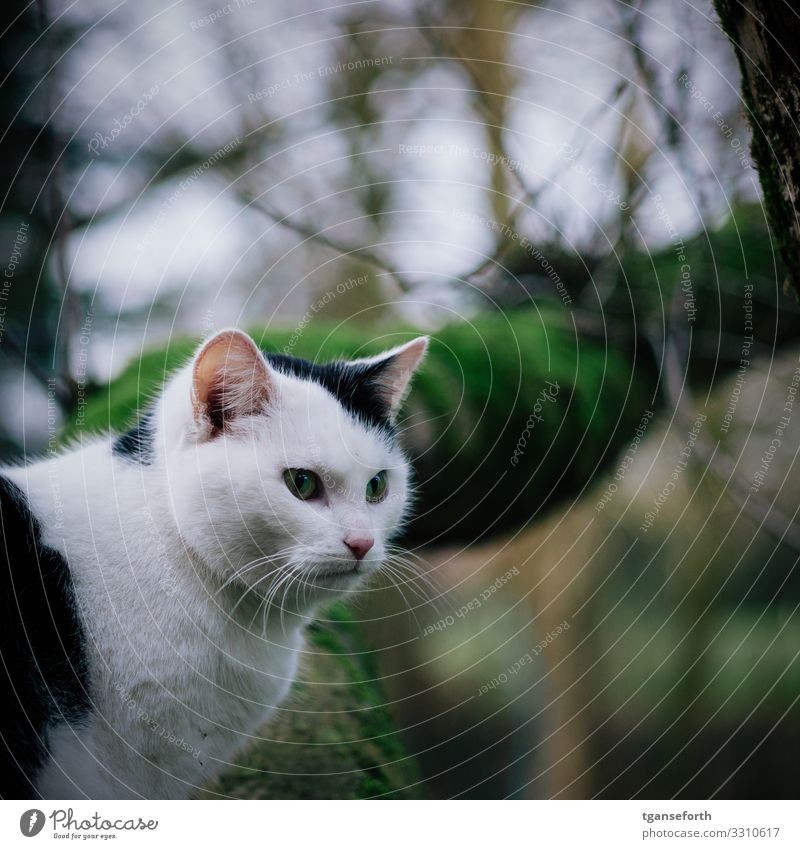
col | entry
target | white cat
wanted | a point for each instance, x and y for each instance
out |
(156, 585)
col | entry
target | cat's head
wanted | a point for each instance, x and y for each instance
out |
(286, 477)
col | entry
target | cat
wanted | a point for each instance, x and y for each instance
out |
(156, 584)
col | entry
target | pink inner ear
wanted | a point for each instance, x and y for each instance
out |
(230, 380)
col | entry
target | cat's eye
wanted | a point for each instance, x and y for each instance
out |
(376, 488)
(302, 483)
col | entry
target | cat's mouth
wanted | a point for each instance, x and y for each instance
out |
(338, 574)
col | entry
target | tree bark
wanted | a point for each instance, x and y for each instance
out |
(765, 35)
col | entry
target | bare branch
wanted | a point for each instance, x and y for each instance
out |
(312, 235)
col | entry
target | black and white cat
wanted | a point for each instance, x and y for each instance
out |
(154, 586)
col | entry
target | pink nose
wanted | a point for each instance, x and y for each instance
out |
(359, 545)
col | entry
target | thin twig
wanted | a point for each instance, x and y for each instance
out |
(531, 195)
(309, 233)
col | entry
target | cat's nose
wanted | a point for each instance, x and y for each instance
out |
(359, 544)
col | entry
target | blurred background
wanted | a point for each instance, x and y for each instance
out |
(600, 595)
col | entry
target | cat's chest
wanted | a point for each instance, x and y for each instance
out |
(194, 715)
(191, 667)
(229, 677)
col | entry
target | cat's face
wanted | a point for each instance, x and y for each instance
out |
(288, 480)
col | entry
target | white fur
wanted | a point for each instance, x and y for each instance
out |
(186, 661)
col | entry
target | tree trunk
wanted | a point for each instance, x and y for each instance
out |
(766, 39)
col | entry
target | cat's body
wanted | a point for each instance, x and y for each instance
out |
(183, 563)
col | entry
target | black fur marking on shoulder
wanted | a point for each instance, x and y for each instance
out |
(43, 668)
(356, 387)
(136, 445)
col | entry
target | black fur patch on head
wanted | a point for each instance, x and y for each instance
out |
(43, 667)
(136, 445)
(355, 387)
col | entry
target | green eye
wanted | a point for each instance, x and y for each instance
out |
(376, 488)
(302, 483)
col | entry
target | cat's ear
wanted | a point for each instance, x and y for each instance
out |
(230, 379)
(391, 372)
